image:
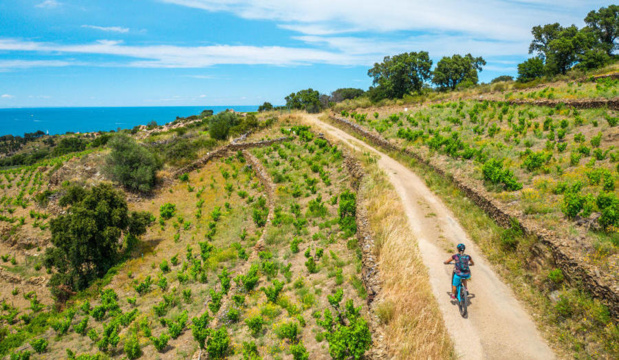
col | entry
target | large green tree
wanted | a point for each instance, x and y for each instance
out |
(605, 25)
(86, 238)
(345, 94)
(308, 100)
(131, 164)
(401, 74)
(455, 70)
(220, 124)
(531, 69)
(567, 48)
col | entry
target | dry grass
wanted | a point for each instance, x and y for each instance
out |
(413, 325)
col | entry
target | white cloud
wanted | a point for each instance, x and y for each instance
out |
(6, 96)
(489, 19)
(117, 29)
(168, 56)
(25, 64)
(48, 4)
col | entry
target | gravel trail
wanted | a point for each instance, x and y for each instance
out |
(498, 327)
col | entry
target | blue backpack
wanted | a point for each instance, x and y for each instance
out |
(462, 264)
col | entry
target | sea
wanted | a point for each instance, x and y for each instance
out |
(88, 119)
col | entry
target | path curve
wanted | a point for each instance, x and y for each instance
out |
(498, 327)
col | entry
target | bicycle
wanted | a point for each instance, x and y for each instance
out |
(462, 295)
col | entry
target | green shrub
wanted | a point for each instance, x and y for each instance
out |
(311, 265)
(535, 160)
(218, 343)
(39, 345)
(184, 177)
(556, 276)
(164, 266)
(272, 292)
(294, 245)
(299, 352)
(220, 125)
(160, 342)
(347, 212)
(608, 203)
(131, 164)
(255, 324)
(348, 339)
(80, 328)
(167, 211)
(288, 330)
(200, 329)
(493, 171)
(21, 355)
(132, 347)
(250, 351)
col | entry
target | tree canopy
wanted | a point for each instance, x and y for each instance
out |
(131, 164)
(308, 100)
(267, 106)
(401, 74)
(455, 70)
(605, 24)
(220, 124)
(345, 94)
(86, 238)
(531, 69)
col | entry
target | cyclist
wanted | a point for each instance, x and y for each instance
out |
(462, 272)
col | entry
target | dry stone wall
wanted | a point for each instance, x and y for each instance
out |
(576, 271)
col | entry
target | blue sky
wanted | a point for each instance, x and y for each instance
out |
(244, 52)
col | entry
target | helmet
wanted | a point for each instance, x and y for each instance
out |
(461, 247)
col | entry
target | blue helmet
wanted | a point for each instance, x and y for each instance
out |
(461, 247)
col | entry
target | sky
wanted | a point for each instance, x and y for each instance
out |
(65, 53)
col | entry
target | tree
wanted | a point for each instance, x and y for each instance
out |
(531, 69)
(400, 75)
(542, 36)
(131, 164)
(220, 124)
(565, 50)
(86, 238)
(267, 106)
(345, 94)
(605, 25)
(502, 78)
(453, 71)
(308, 100)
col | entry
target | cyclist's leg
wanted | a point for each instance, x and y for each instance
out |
(455, 283)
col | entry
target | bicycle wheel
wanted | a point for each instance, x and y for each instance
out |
(462, 304)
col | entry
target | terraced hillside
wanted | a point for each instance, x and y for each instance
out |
(553, 170)
(252, 254)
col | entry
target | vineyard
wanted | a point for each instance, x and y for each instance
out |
(252, 255)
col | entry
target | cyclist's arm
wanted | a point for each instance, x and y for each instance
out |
(448, 261)
(471, 261)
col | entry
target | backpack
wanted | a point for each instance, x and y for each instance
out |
(463, 263)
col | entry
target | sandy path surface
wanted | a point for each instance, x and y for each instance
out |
(497, 327)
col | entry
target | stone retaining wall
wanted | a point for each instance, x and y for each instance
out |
(224, 151)
(575, 271)
(612, 104)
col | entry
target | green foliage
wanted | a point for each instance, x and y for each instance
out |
(308, 100)
(453, 71)
(80, 328)
(131, 164)
(299, 352)
(250, 351)
(220, 124)
(535, 160)
(348, 334)
(39, 345)
(608, 203)
(85, 239)
(347, 212)
(250, 280)
(200, 329)
(21, 355)
(218, 343)
(345, 94)
(556, 276)
(144, 286)
(288, 330)
(399, 75)
(272, 292)
(167, 211)
(493, 171)
(255, 324)
(531, 69)
(160, 342)
(132, 347)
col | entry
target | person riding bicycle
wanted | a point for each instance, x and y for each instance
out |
(462, 272)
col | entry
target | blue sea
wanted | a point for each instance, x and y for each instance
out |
(83, 119)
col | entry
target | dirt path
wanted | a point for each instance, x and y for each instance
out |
(498, 327)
